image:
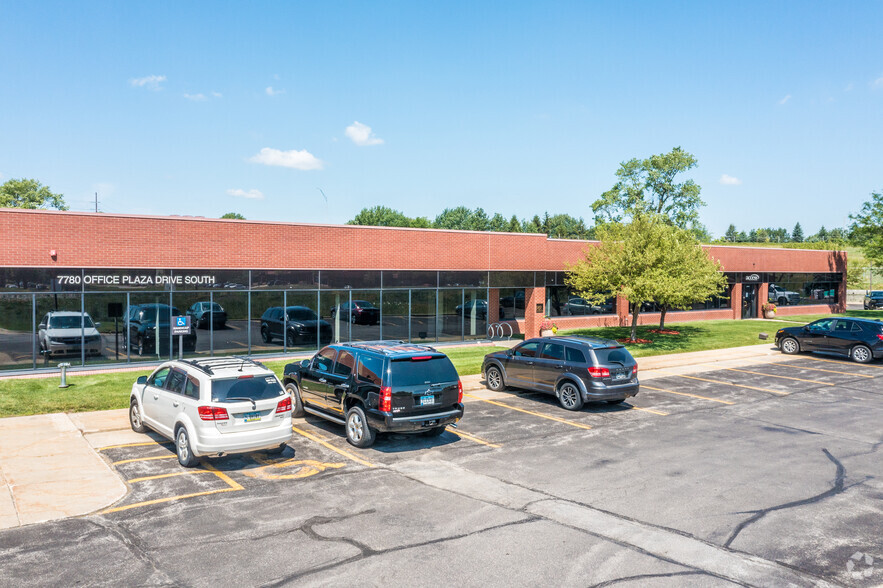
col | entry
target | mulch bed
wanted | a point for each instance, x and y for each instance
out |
(665, 332)
(635, 342)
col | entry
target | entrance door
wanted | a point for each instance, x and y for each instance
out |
(749, 301)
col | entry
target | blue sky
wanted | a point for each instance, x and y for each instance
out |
(202, 108)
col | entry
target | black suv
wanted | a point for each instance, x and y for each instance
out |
(873, 300)
(300, 322)
(378, 386)
(575, 369)
(149, 324)
(859, 339)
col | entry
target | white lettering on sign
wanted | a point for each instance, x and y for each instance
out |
(752, 278)
(135, 280)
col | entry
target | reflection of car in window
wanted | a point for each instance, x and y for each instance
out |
(361, 312)
(203, 314)
(781, 296)
(581, 306)
(66, 332)
(150, 329)
(873, 300)
(301, 325)
(477, 308)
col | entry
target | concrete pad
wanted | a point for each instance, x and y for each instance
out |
(101, 420)
(8, 514)
(103, 439)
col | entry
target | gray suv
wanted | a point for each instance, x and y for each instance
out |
(575, 369)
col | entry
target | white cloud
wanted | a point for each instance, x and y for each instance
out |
(195, 97)
(271, 92)
(785, 99)
(302, 160)
(362, 134)
(217, 95)
(878, 83)
(149, 82)
(251, 194)
(730, 180)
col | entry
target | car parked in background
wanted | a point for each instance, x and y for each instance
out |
(476, 307)
(213, 407)
(580, 306)
(358, 312)
(575, 370)
(150, 329)
(203, 314)
(858, 339)
(380, 386)
(781, 296)
(300, 324)
(873, 300)
(65, 332)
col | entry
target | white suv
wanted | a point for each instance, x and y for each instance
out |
(212, 407)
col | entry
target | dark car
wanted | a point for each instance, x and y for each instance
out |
(580, 306)
(380, 386)
(301, 325)
(575, 369)
(361, 312)
(149, 329)
(203, 314)
(873, 300)
(859, 339)
(476, 307)
(781, 296)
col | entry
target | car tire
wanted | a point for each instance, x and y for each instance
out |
(277, 450)
(135, 417)
(789, 346)
(292, 339)
(782, 301)
(183, 448)
(569, 396)
(358, 433)
(494, 378)
(435, 431)
(265, 335)
(861, 354)
(297, 405)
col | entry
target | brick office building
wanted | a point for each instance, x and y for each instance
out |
(430, 285)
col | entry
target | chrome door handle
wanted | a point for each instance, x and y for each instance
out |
(322, 380)
(156, 396)
(343, 386)
(560, 366)
(175, 404)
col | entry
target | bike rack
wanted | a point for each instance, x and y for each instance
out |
(496, 330)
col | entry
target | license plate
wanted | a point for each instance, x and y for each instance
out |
(620, 376)
(252, 416)
(428, 399)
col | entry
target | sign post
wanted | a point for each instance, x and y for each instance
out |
(181, 327)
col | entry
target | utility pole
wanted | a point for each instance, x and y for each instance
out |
(96, 201)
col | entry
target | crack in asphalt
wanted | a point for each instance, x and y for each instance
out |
(367, 552)
(649, 576)
(133, 544)
(836, 488)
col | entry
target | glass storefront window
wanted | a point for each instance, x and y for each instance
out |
(108, 313)
(562, 301)
(363, 313)
(266, 330)
(18, 346)
(232, 336)
(450, 319)
(395, 315)
(333, 308)
(474, 313)
(409, 279)
(424, 325)
(511, 304)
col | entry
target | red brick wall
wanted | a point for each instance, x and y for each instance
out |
(128, 241)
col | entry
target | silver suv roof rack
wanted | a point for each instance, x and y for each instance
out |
(209, 365)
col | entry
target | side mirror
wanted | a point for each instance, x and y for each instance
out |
(141, 380)
(42, 326)
(305, 363)
(97, 325)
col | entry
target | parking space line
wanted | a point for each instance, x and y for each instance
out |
(135, 445)
(544, 416)
(460, 433)
(801, 367)
(346, 454)
(172, 475)
(876, 367)
(732, 384)
(660, 413)
(783, 377)
(645, 386)
(144, 459)
(233, 484)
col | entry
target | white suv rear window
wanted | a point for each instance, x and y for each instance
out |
(251, 388)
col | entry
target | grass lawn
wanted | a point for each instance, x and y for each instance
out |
(20, 397)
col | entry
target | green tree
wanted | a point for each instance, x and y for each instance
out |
(478, 220)
(701, 232)
(797, 234)
(234, 215)
(564, 226)
(731, 235)
(649, 186)
(381, 216)
(26, 193)
(528, 226)
(453, 218)
(498, 223)
(514, 225)
(867, 228)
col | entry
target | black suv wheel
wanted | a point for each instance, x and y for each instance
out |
(358, 432)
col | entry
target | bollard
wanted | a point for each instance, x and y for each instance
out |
(64, 367)
(762, 336)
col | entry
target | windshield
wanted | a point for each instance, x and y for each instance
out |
(301, 314)
(256, 388)
(877, 294)
(363, 304)
(618, 355)
(69, 322)
(413, 373)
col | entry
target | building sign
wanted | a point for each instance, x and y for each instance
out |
(181, 325)
(135, 280)
(751, 278)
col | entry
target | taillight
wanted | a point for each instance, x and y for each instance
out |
(213, 413)
(459, 391)
(246, 376)
(421, 357)
(385, 404)
(635, 370)
(599, 372)
(284, 405)
(880, 336)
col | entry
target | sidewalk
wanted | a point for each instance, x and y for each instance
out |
(50, 469)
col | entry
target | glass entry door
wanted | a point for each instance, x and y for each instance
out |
(749, 301)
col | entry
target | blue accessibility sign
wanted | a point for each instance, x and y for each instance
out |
(181, 325)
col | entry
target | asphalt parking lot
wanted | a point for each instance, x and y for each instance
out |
(761, 475)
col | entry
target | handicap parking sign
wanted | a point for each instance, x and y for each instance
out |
(181, 321)
(181, 325)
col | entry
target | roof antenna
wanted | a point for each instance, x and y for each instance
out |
(242, 365)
